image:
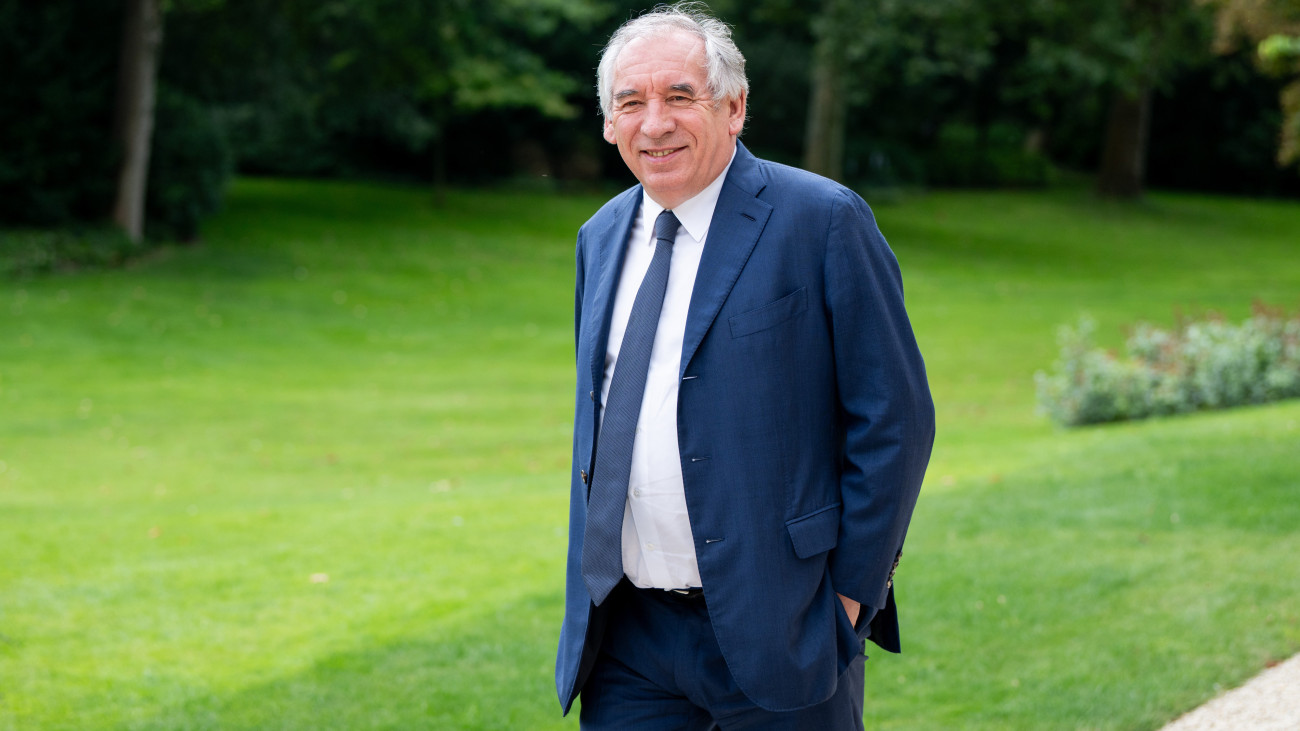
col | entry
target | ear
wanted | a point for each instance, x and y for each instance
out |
(609, 132)
(736, 114)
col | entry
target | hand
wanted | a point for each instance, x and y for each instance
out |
(851, 608)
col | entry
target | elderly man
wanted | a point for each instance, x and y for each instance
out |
(753, 420)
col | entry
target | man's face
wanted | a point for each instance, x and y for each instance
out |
(674, 137)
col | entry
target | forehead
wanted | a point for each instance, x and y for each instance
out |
(660, 61)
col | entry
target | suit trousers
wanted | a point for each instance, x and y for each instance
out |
(660, 668)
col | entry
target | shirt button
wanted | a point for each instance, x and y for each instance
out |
(636, 492)
(649, 546)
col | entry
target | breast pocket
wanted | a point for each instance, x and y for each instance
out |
(770, 314)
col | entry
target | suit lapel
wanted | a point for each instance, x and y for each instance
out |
(738, 220)
(612, 241)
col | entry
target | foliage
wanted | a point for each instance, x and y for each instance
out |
(1147, 40)
(1281, 57)
(901, 48)
(964, 156)
(189, 167)
(55, 108)
(356, 85)
(289, 86)
(1274, 26)
(26, 252)
(942, 92)
(1209, 364)
(936, 89)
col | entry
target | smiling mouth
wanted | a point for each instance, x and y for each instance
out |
(661, 153)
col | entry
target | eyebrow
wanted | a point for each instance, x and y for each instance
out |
(684, 88)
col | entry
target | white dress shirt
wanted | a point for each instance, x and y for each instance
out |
(658, 549)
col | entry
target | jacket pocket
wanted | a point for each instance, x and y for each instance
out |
(770, 314)
(816, 532)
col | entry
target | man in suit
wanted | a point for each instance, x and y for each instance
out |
(753, 420)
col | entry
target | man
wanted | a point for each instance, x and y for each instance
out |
(753, 421)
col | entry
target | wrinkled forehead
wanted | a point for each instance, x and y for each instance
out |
(668, 59)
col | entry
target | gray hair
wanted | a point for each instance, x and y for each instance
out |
(725, 63)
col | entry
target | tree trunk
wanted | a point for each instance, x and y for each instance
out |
(827, 111)
(142, 31)
(1124, 157)
(823, 149)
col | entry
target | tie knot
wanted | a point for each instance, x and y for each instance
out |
(666, 226)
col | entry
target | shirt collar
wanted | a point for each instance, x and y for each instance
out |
(696, 213)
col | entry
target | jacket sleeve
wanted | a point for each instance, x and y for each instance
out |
(885, 412)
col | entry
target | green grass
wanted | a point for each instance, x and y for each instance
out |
(348, 380)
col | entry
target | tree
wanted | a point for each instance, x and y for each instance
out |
(134, 115)
(142, 31)
(861, 47)
(834, 28)
(1146, 41)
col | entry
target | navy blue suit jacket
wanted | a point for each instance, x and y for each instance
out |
(804, 426)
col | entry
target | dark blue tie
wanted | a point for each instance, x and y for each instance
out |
(602, 543)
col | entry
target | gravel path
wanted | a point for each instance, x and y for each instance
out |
(1268, 702)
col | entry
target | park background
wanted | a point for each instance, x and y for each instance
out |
(286, 347)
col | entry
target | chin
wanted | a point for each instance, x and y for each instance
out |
(667, 185)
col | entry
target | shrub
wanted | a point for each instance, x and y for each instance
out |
(963, 157)
(25, 252)
(189, 166)
(1208, 364)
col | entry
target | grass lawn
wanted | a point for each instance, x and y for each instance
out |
(313, 473)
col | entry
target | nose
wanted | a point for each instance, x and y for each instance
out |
(658, 119)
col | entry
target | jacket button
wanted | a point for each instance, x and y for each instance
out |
(583, 473)
(592, 394)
